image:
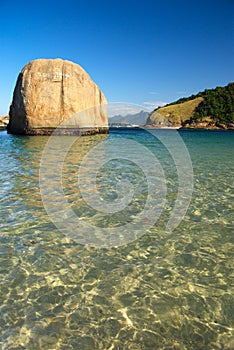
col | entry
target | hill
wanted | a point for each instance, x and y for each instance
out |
(129, 119)
(176, 114)
(213, 108)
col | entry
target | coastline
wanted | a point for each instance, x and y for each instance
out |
(191, 127)
(93, 132)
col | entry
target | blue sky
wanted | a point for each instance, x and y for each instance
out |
(140, 52)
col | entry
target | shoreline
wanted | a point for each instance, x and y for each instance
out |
(3, 128)
(199, 127)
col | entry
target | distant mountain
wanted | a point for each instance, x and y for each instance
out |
(130, 119)
(213, 108)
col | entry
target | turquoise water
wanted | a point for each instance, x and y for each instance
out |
(163, 290)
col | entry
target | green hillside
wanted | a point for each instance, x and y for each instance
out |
(210, 108)
(175, 114)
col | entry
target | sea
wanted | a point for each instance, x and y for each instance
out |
(117, 242)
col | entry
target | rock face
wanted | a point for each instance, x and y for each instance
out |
(51, 93)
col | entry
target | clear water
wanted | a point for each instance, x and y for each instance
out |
(160, 291)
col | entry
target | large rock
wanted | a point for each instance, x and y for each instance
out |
(50, 93)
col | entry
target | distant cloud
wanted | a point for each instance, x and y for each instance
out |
(154, 93)
(150, 105)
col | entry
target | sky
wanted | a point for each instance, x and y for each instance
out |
(141, 52)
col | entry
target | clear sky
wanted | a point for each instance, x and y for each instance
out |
(141, 51)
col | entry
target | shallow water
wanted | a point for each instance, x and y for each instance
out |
(163, 290)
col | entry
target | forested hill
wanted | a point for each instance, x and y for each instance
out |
(212, 107)
(218, 104)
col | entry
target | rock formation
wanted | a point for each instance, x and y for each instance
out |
(51, 93)
(4, 121)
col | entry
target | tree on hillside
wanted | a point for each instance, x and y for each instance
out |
(218, 104)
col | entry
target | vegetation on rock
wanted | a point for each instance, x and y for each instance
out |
(210, 108)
